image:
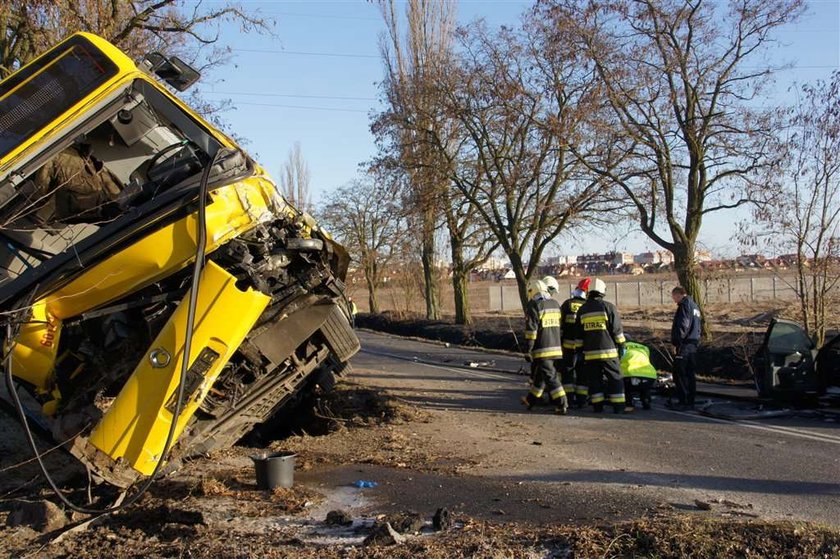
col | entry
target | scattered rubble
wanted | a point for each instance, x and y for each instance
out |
(384, 534)
(338, 518)
(441, 520)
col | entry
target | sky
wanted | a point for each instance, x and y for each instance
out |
(316, 82)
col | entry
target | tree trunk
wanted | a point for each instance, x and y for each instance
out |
(521, 279)
(428, 260)
(686, 269)
(370, 278)
(459, 284)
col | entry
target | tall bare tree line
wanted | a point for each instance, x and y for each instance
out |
(585, 112)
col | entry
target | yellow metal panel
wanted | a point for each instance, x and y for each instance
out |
(136, 425)
(36, 347)
(234, 209)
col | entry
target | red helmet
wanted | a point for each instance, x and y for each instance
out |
(583, 284)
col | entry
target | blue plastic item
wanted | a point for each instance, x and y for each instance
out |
(364, 484)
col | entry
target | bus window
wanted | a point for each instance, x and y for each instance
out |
(32, 98)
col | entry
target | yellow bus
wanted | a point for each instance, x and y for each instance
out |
(135, 234)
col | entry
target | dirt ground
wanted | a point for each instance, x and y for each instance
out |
(737, 332)
(212, 507)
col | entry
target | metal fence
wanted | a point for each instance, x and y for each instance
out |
(649, 293)
(487, 296)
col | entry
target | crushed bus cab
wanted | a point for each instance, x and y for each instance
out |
(160, 297)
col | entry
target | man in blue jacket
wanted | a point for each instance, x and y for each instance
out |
(685, 337)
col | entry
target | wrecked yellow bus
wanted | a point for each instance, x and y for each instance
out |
(159, 296)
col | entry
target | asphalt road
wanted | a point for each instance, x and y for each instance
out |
(585, 466)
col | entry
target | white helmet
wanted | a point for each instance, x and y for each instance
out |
(551, 284)
(535, 287)
(598, 286)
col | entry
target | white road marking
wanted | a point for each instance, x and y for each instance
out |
(801, 433)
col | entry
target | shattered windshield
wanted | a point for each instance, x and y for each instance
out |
(143, 147)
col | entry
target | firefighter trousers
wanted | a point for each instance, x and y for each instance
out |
(605, 383)
(544, 377)
(573, 377)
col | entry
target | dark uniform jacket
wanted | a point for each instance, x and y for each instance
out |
(600, 330)
(686, 327)
(568, 317)
(76, 188)
(542, 328)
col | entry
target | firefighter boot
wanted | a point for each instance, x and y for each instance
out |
(598, 408)
(562, 406)
(529, 401)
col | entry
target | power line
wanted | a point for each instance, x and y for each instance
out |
(333, 109)
(306, 53)
(322, 16)
(337, 98)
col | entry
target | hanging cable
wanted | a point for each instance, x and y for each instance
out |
(198, 265)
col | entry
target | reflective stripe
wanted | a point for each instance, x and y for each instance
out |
(557, 393)
(530, 335)
(597, 354)
(550, 318)
(570, 319)
(616, 398)
(620, 339)
(536, 392)
(591, 315)
(568, 344)
(582, 390)
(569, 388)
(546, 352)
(597, 398)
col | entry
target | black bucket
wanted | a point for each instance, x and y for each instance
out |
(275, 470)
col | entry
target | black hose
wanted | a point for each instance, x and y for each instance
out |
(198, 265)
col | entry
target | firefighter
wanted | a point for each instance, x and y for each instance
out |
(569, 388)
(573, 377)
(685, 336)
(602, 343)
(638, 373)
(542, 331)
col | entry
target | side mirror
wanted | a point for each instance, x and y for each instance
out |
(172, 70)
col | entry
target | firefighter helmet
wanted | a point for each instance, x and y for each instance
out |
(535, 287)
(551, 284)
(598, 286)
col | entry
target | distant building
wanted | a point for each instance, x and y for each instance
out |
(656, 258)
(620, 258)
(703, 256)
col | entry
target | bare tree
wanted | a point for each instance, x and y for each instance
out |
(803, 216)
(680, 136)
(364, 216)
(517, 111)
(136, 26)
(294, 180)
(412, 60)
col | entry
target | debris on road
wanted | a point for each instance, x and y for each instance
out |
(338, 518)
(441, 520)
(477, 364)
(702, 505)
(384, 534)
